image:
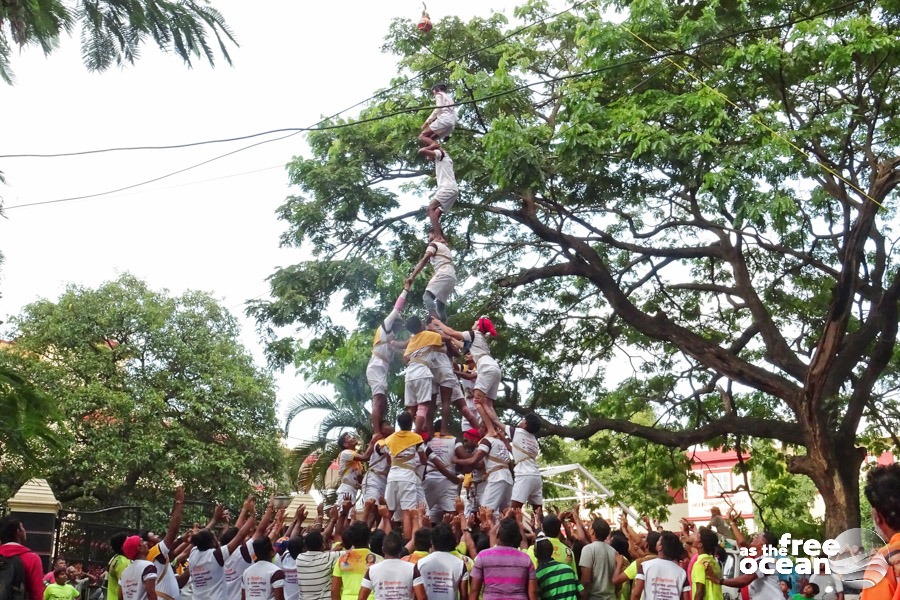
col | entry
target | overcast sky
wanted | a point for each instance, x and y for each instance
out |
(212, 228)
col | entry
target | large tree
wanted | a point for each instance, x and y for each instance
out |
(153, 389)
(688, 208)
(113, 31)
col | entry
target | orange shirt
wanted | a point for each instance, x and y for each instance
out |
(887, 588)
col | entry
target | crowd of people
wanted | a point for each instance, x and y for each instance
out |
(353, 552)
(423, 515)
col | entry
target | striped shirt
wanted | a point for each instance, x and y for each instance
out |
(314, 574)
(505, 572)
(556, 581)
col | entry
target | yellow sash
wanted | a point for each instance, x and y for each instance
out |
(399, 441)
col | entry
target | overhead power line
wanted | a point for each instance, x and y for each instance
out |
(319, 127)
(375, 96)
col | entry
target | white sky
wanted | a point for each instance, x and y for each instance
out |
(205, 229)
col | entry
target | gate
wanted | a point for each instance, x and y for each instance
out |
(83, 536)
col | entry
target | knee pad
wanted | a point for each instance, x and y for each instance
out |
(422, 410)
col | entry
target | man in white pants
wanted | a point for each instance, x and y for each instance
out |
(498, 490)
(419, 378)
(442, 283)
(528, 486)
(442, 120)
(447, 192)
(380, 363)
(440, 492)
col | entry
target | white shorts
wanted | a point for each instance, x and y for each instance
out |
(441, 286)
(497, 495)
(528, 489)
(488, 379)
(376, 375)
(445, 198)
(443, 126)
(417, 391)
(373, 486)
(346, 490)
(400, 495)
(440, 494)
(442, 371)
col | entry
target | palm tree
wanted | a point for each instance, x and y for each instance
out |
(112, 31)
(25, 416)
(346, 410)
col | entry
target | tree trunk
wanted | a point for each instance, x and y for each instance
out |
(834, 469)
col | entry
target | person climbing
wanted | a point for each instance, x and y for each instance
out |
(442, 120)
(380, 363)
(442, 283)
(447, 192)
(487, 383)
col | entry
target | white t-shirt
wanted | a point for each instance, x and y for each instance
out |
(410, 457)
(260, 579)
(445, 111)
(166, 579)
(479, 347)
(391, 579)
(289, 566)
(663, 579)
(235, 565)
(443, 449)
(496, 455)
(349, 471)
(379, 463)
(131, 583)
(207, 575)
(765, 587)
(440, 573)
(525, 451)
(829, 586)
(441, 258)
(443, 170)
(314, 574)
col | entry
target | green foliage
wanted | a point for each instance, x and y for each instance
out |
(782, 500)
(151, 390)
(113, 31)
(645, 232)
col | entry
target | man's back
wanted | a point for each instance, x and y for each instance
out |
(25, 570)
(600, 558)
(556, 581)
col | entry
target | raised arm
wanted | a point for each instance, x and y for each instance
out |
(245, 511)
(266, 519)
(175, 519)
(430, 251)
(242, 534)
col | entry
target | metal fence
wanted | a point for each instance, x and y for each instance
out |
(83, 536)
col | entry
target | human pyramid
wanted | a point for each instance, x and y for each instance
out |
(422, 464)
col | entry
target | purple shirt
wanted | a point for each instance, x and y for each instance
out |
(505, 572)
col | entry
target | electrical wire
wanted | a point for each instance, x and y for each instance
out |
(375, 96)
(318, 127)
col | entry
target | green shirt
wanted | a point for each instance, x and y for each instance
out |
(55, 591)
(351, 567)
(118, 564)
(557, 582)
(561, 554)
(711, 591)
